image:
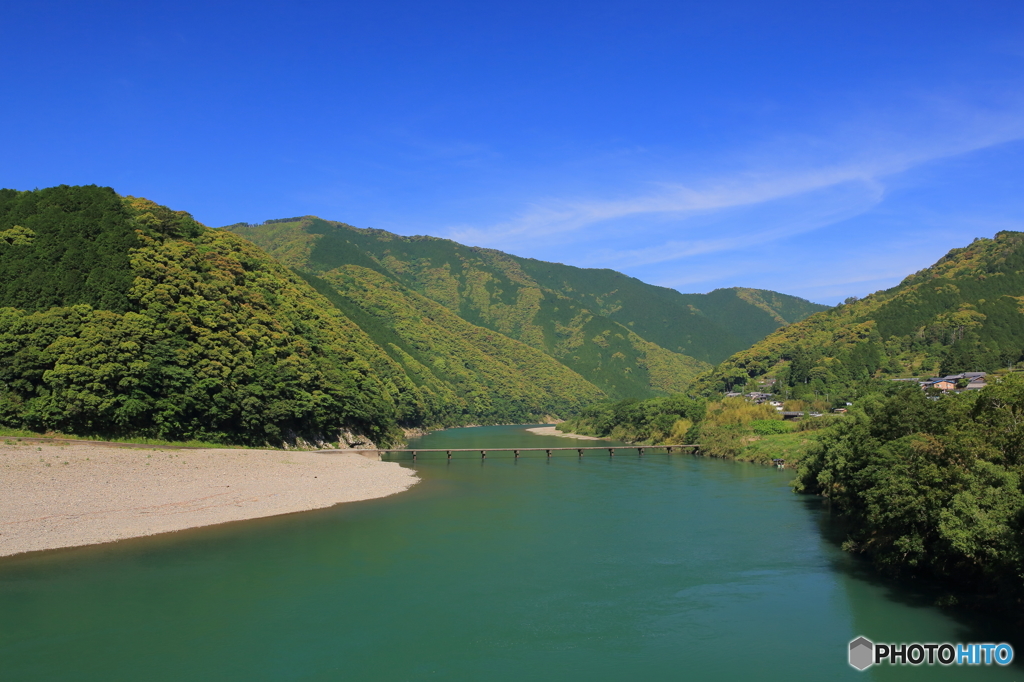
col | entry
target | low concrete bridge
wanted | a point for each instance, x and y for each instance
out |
(388, 455)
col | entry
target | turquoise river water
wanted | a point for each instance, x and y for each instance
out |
(627, 568)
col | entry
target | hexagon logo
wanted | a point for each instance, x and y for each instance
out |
(862, 653)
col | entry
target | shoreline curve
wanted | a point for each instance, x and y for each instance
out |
(72, 494)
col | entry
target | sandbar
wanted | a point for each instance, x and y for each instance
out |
(552, 431)
(66, 495)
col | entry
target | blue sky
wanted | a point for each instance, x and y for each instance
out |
(823, 149)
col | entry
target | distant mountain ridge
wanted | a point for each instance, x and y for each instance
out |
(630, 338)
(964, 313)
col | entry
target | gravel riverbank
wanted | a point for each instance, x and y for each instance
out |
(65, 495)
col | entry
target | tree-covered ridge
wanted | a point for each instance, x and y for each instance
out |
(494, 379)
(211, 340)
(624, 336)
(65, 246)
(489, 289)
(965, 313)
(732, 308)
(932, 486)
(709, 327)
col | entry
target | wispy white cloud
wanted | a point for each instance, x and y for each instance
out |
(863, 156)
(818, 208)
(851, 267)
(552, 217)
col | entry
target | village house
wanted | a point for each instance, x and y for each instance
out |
(940, 384)
(975, 381)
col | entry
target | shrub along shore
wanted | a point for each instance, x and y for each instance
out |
(731, 428)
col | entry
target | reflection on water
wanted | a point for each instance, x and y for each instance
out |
(600, 568)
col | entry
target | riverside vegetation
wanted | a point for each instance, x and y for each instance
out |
(932, 487)
(731, 428)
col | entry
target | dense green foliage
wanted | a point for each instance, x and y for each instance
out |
(656, 420)
(790, 447)
(932, 486)
(732, 428)
(468, 372)
(213, 340)
(123, 318)
(706, 326)
(623, 336)
(65, 246)
(771, 427)
(965, 313)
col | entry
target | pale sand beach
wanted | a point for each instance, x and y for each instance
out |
(66, 495)
(552, 431)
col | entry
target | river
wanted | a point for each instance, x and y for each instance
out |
(654, 568)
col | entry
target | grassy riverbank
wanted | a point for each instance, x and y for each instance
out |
(792, 447)
(730, 429)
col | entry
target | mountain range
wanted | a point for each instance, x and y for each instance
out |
(628, 338)
(122, 317)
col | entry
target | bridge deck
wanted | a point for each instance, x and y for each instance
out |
(382, 453)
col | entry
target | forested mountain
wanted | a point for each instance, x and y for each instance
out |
(710, 327)
(625, 336)
(965, 313)
(121, 317)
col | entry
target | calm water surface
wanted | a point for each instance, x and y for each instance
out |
(666, 567)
